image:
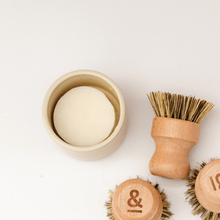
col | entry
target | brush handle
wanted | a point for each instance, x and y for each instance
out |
(174, 138)
(207, 187)
(136, 199)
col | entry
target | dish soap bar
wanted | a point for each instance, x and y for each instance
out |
(84, 116)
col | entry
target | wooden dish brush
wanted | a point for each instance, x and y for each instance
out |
(204, 190)
(175, 130)
(138, 199)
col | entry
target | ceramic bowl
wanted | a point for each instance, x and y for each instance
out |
(110, 89)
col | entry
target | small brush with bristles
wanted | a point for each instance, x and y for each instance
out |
(175, 130)
(165, 212)
(181, 107)
(202, 189)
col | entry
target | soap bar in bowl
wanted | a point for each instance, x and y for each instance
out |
(84, 116)
(97, 127)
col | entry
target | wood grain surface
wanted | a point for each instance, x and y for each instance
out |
(207, 186)
(136, 199)
(174, 139)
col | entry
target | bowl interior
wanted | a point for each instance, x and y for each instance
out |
(82, 80)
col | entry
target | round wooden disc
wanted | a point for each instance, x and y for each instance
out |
(207, 186)
(136, 199)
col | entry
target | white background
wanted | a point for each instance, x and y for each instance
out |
(143, 46)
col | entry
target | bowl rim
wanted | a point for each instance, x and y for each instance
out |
(50, 91)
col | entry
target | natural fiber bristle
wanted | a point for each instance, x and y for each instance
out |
(198, 209)
(166, 213)
(178, 106)
(166, 205)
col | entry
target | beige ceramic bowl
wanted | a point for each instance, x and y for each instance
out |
(112, 92)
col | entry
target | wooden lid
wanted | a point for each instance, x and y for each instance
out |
(136, 199)
(208, 186)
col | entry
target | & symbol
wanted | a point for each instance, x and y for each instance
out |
(134, 194)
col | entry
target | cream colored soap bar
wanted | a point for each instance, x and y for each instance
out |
(84, 116)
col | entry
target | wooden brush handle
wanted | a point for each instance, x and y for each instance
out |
(207, 186)
(136, 199)
(174, 138)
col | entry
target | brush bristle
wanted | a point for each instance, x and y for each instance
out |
(166, 213)
(166, 205)
(178, 106)
(198, 209)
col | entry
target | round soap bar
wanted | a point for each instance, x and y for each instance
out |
(84, 116)
(136, 199)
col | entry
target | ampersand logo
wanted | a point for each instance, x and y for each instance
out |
(133, 202)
